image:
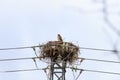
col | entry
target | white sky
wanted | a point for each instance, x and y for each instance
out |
(30, 22)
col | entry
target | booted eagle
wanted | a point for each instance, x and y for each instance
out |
(59, 38)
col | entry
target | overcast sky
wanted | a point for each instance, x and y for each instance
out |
(33, 22)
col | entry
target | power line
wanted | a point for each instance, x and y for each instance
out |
(23, 70)
(27, 58)
(99, 60)
(13, 59)
(70, 67)
(99, 49)
(95, 71)
(15, 48)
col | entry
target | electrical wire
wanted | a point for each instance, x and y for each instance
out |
(71, 67)
(106, 18)
(22, 70)
(14, 59)
(99, 60)
(79, 74)
(108, 50)
(95, 71)
(15, 48)
(28, 58)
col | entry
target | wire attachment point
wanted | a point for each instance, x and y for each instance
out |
(34, 51)
(34, 60)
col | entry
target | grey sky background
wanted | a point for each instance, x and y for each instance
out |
(33, 22)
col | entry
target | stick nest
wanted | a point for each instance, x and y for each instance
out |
(59, 51)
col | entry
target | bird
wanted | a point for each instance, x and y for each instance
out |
(59, 38)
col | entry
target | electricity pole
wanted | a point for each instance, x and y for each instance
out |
(57, 70)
